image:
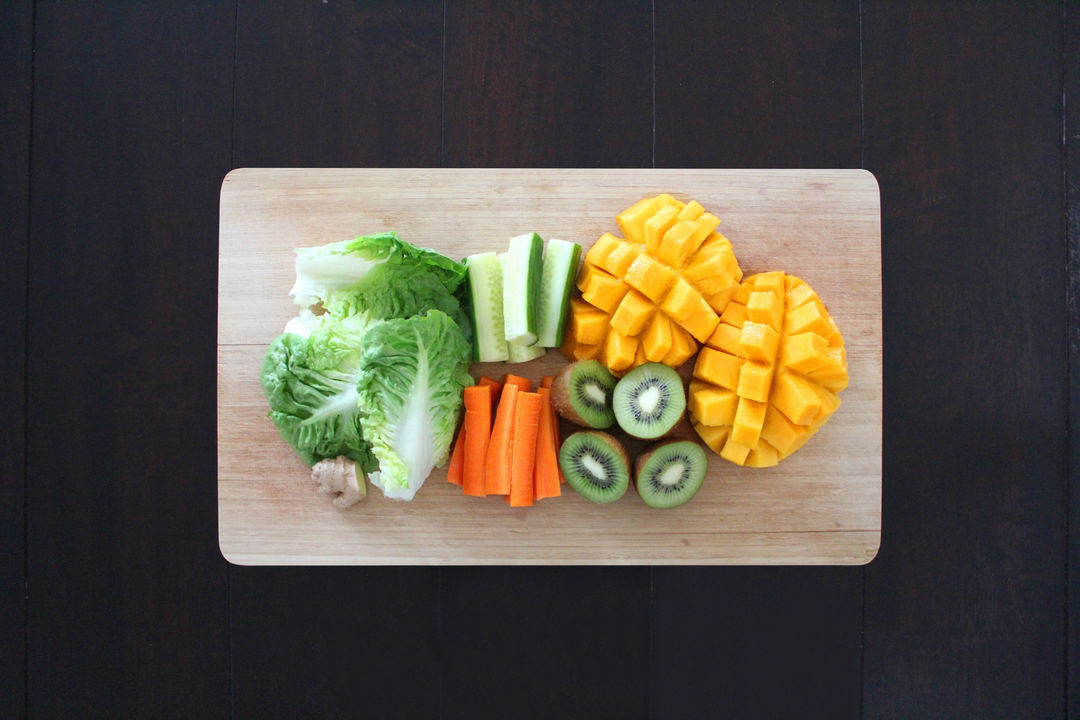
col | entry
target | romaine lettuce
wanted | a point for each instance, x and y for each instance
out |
(310, 383)
(322, 271)
(411, 379)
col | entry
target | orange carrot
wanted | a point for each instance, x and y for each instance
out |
(526, 421)
(478, 426)
(497, 472)
(496, 388)
(546, 474)
(545, 382)
(457, 459)
(522, 384)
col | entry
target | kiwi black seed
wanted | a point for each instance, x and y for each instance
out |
(670, 472)
(649, 401)
(596, 465)
(582, 393)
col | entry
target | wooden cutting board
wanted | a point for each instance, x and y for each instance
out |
(821, 506)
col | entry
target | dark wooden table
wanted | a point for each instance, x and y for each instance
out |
(119, 121)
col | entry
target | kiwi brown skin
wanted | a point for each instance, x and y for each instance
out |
(560, 397)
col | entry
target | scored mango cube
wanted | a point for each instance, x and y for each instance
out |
(588, 327)
(749, 418)
(719, 368)
(605, 292)
(657, 337)
(764, 308)
(620, 259)
(649, 277)
(683, 347)
(714, 406)
(794, 397)
(726, 337)
(598, 253)
(632, 314)
(755, 380)
(575, 351)
(762, 456)
(715, 437)
(734, 451)
(691, 211)
(810, 317)
(632, 220)
(585, 275)
(619, 351)
(834, 373)
(735, 314)
(658, 225)
(759, 342)
(805, 352)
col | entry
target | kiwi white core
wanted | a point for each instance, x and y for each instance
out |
(594, 467)
(596, 393)
(649, 399)
(673, 474)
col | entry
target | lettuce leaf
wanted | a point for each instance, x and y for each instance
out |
(322, 271)
(412, 375)
(310, 383)
(397, 291)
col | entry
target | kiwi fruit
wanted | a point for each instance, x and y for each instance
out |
(649, 401)
(596, 465)
(582, 392)
(669, 473)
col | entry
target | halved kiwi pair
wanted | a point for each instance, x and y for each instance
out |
(647, 403)
(667, 474)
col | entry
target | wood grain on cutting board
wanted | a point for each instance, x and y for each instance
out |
(820, 506)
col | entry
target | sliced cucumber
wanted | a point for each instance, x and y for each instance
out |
(521, 288)
(520, 353)
(557, 279)
(485, 279)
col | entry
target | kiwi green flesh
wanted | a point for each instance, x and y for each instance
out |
(649, 401)
(595, 465)
(582, 393)
(670, 473)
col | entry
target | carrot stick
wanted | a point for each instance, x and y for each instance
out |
(522, 384)
(545, 382)
(497, 470)
(546, 474)
(457, 459)
(478, 426)
(496, 388)
(526, 421)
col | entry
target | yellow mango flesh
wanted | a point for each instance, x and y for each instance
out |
(670, 264)
(780, 355)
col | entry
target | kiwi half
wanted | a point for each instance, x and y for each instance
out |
(669, 473)
(649, 401)
(582, 392)
(596, 465)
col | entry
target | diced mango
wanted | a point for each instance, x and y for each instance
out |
(632, 220)
(620, 258)
(650, 277)
(799, 295)
(575, 351)
(656, 339)
(726, 337)
(781, 433)
(619, 351)
(682, 347)
(734, 451)
(605, 292)
(714, 406)
(589, 327)
(735, 314)
(749, 418)
(586, 274)
(755, 381)
(657, 225)
(714, 437)
(766, 309)
(672, 246)
(598, 253)
(834, 373)
(759, 342)
(709, 263)
(719, 368)
(633, 313)
(691, 211)
(680, 301)
(804, 352)
(810, 317)
(719, 301)
(664, 200)
(771, 282)
(742, 294)
(702, 322)
(762, 456)
(794, 397)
